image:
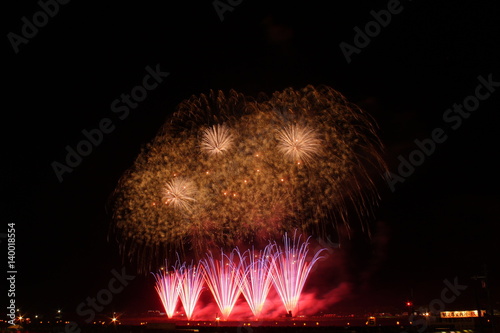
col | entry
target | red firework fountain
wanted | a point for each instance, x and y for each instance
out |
(257, 278)
(167, 287)
(224, 278)
(289, 269)
(250, 273)
(191, 282)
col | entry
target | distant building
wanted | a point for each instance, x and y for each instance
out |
(463, 319)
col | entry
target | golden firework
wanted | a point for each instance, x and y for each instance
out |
(229, 168)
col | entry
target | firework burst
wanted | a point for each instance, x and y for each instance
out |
(177, 197)
(299, 144)
(178, 193)
(216, 140)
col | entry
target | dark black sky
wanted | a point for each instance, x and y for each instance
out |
(441, 223)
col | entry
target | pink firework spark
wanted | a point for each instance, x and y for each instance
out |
(290, 269)
(190, 286)
(257, 278)
(223, 277)
(167, 287)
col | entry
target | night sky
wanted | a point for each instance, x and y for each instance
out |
(441, 223)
